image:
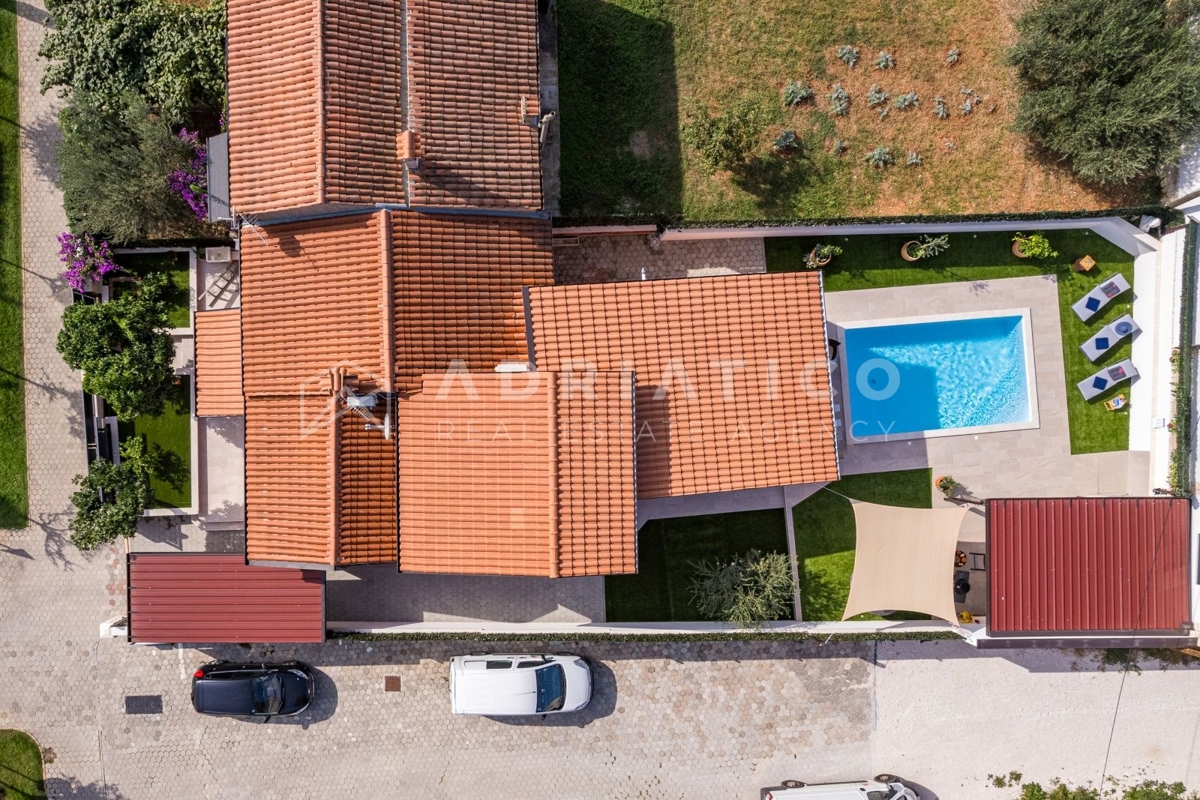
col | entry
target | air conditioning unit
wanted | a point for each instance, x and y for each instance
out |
(218, 255)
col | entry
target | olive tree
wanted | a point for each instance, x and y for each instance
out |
(747, 590)
(111, 497)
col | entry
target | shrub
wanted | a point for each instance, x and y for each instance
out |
(111, 497)
(876, 96)
(967, 107)
(880, 157)
(124, 348)
(939, 108)
(725, 141)
(749, 590)
(1113, 98)
(820, 253)
(86, 259)
(848, 54)
(115, 166)
(885, 60)
(913, 159)
(796, 93)
(786, 143)
(1035, 245)
(170, 54)
(839, 147)
(190, 183)
(1146, 790)
(905, 101)
(839, 101)
(927, 247)
(952, 56)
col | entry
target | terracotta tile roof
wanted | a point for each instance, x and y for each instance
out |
(291, 482)
(206, 598)
(317, 97)
(1088, 566)
(274, 72)
(732, 374)
(471, 64)
(219, 363)
(499, 476)
(366, 494)
(314, 295)
(457, 285)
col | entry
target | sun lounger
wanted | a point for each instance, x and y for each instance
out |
(1107, 378)
(1109, 336)
(1090, 304)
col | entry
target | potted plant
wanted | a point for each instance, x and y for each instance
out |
(821, 255)
(947, 485)
(1033, 246)
(924, 247)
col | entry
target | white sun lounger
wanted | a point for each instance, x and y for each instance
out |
(1107, 378)
(1091, 303)
(1109, 337)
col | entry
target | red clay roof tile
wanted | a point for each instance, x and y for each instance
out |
(219, 364)
(366, 493)
(732, 374)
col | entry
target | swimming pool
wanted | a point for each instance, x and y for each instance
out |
(939, 376)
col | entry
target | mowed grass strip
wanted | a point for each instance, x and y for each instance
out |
(14, 495)
(20, 767)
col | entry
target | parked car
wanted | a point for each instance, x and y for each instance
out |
(226, 689)
(881, 787)
(517, 685)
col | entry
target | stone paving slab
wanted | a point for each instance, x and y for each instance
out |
(599, 259)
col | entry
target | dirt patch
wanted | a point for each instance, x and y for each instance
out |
(639, 145)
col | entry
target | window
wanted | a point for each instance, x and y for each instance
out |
(530, 663)
(499, 665)
(551, 689)
(266, 695)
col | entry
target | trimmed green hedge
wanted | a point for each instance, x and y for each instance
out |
(1181, 458)
(715, 636)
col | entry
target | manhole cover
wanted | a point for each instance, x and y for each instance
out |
(143, 704)
(391, 683)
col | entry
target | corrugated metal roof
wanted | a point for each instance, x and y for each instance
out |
(201, 598)
(1088, 565)
(219, 363)
(732, 375)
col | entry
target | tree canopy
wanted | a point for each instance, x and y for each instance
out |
(171, 54)
(124, 348)
(748, 590)
(1111, 87)
(111, 497)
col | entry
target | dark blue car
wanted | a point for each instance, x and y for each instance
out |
(227, 689)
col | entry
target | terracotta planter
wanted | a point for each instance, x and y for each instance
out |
(904, 251)
(1017, 250)
(823, 261)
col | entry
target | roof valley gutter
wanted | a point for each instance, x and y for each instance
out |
(319, 55)
(552, 435)
(389, 343)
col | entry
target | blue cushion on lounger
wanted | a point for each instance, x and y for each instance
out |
(1092, 303)
(1102, 343)
(1099, 383)
(1123, 328)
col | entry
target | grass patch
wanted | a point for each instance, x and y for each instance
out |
(633, 73)
(661, 590)
(169, 443)
(20, 767)
(825, 536)
(872, 262)
(176, 266)
(14, 494)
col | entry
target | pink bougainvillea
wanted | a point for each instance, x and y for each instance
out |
(86, 259)
(191, 182)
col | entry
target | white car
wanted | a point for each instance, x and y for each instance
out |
(519, 685)
(882, 787)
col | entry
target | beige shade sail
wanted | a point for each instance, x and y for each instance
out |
(904, 560)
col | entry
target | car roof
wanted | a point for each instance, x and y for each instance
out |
(478, 690)
(225, 696)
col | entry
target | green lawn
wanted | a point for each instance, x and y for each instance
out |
(14, 497)
(20, 767)
(870, 262)
(825, 536)
(168, 440)
(175, 265)
(661, 590)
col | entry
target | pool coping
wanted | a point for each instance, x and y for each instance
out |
(1032, 423)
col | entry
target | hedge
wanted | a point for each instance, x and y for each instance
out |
(1181, 457)
(633, 638)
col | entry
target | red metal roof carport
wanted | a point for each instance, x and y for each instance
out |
(212, 598)
(1109, 569)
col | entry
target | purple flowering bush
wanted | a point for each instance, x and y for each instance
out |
(86, 259)
(191, 182)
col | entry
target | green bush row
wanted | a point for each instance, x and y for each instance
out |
(1181, 457)
(583, 636)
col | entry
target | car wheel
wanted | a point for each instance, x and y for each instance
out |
(793, 784)
(886, 778)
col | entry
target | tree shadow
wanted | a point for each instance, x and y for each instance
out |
(42, 140)
(169, 467)
(774, 179)
(74, 788)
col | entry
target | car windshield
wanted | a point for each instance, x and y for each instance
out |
(266, 694)
(551, 688)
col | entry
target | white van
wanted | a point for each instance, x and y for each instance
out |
(519, 685)
(881, 787)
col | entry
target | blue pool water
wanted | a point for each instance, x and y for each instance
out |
(929, 376)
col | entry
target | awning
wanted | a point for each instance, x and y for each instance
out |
(904, 560)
